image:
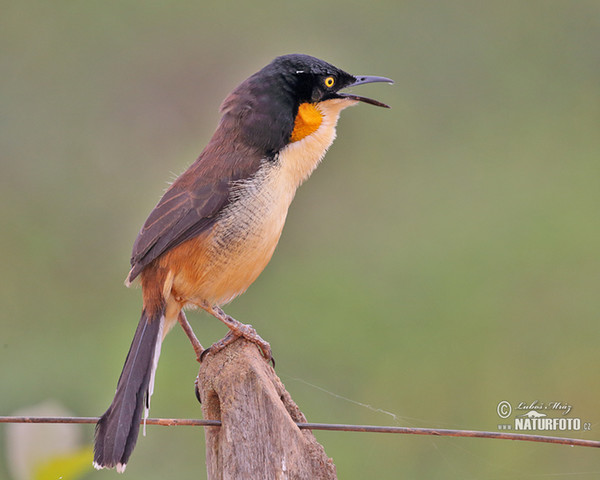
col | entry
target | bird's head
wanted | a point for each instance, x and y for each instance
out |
(313, 80)
(284, 101)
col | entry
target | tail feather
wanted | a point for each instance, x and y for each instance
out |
(117, 430)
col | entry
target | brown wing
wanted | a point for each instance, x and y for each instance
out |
(192, 204)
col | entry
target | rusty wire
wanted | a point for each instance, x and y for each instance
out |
(332, 427)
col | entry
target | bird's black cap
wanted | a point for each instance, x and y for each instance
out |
(316, 80)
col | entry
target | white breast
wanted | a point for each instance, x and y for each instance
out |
(245, 237)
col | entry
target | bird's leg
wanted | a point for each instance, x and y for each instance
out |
(236, 329)
(190, 334)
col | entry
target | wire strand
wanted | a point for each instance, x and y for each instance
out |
(169, 422)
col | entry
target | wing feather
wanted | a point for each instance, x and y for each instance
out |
(192, 204)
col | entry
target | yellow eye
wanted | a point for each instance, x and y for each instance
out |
(329, 82)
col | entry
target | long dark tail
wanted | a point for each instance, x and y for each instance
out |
(118, 429)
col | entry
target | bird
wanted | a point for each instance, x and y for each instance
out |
(217, 225)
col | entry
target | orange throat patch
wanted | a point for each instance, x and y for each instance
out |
(307, 121)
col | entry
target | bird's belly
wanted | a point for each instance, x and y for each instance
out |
(240, 244)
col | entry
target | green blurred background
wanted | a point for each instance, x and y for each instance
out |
(443, 258)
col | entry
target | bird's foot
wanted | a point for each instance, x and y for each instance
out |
(237, 330)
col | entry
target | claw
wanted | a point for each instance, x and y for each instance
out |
(197, 390)
(265, 349)
(203, 354)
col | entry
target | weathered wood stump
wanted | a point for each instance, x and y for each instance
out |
(258, 438)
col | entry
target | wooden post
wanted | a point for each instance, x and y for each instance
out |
(258, 438)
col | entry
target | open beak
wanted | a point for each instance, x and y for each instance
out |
(360, 79)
